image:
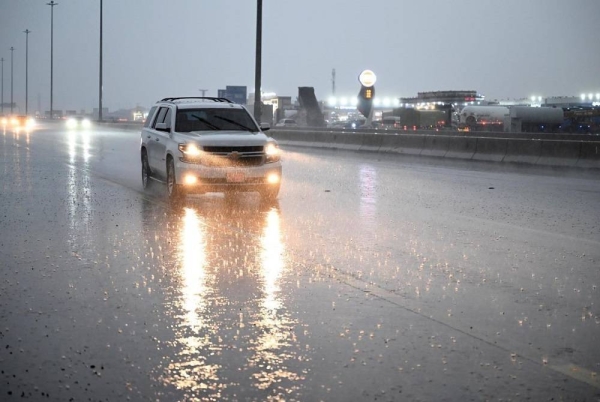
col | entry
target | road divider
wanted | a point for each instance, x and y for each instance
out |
(490, 149)
(461, 147)
(529, 150)
(576, 151)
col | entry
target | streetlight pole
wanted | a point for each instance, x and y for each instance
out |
(27, 32)
(257, 76)
(100, 73)
(51, 4)
(12, 49)
(2, 85)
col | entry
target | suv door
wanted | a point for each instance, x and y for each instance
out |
(157, 142)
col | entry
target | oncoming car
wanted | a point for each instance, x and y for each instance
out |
(78, 122)
(202, 144)
(18, 122)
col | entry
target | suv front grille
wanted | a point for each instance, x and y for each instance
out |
(226, 150)
(242, 156)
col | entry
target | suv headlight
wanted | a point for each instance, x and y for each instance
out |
(191, 152)
(272, 152)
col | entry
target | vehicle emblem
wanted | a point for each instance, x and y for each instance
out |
(235, 155)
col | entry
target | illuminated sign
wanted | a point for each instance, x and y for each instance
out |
(367, 78)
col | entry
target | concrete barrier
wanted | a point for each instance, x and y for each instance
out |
(325, 139)
(584, 154)
(523, 151)
(371, 142)
(490, 149)
(298, 138)
(350, 141)
(409, 144)
(434, 145)
(461, 147)
(560, 153)
(589, 156)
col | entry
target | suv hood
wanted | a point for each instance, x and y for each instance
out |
(223, 138)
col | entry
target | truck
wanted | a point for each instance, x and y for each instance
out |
(490, 118)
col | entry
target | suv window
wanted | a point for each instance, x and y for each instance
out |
(167, 119)
(160, 117)
(211, 119)
(150, 116)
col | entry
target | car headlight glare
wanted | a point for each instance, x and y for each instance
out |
(272, 152)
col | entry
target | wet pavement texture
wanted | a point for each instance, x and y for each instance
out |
(371, 278)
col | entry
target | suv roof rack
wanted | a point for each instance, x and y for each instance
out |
(197, 97)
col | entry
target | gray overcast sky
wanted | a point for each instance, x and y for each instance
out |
(152, 49)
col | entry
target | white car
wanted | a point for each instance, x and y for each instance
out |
(78, 122)
(202, 144)
(286, 123)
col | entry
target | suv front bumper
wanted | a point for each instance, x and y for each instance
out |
(205, 179)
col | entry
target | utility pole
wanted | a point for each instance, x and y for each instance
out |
(204, 91)
(27, 32)
(51, 4)
(100, 78)
(333, 82)
(2, 84)
(257, 76)
(12, 49)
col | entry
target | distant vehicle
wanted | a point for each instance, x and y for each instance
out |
(78, 122)
(491, 116)
(511, 119)
(201, 144)
(286, 123)
(354, 124)
(391, 123)
(18, 122)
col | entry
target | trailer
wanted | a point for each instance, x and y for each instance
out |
(485, 118)
(536, 119)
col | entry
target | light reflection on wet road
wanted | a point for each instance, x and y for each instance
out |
(371, 278)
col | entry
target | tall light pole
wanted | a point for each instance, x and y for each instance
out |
(51, 4)
(2, 85)
(100, 72)
(257, 83)
(27, 32)
(12, 49)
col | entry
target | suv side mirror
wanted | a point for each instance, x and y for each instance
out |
(265, 126)
(162, 127)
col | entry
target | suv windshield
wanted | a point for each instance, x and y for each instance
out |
(207, 119)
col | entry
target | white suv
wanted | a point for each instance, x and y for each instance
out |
(201, 144)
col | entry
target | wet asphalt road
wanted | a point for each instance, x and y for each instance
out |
(372, 278)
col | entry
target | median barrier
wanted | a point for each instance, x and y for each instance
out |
(584, 154)
(324, 139)
(490, 149)
(350, 141)
(371, 142)
(523, 151)
(434, 145)
(461, 147)
(560, 153)
(298, 138)
(589, 156)
(409, 144)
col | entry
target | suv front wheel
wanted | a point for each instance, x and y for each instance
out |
(174, 190)
(145, 170)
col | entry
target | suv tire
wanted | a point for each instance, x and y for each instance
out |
(145, 170)
(175, 191)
